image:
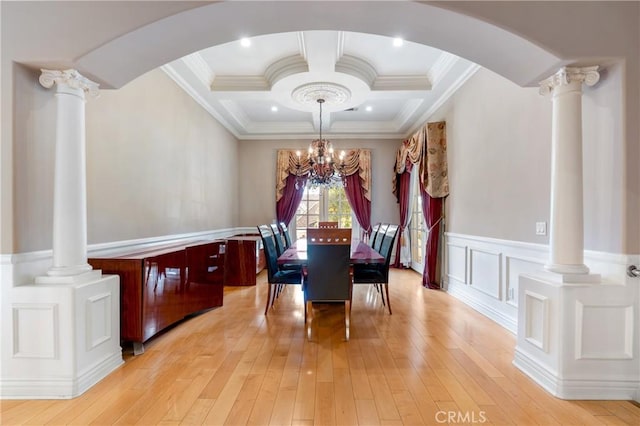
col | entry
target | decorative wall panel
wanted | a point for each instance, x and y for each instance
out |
(484, 272)
(35, 331)
(514, 267)
(98, 311)
(604, 332)
(457, 262)
(537, 320)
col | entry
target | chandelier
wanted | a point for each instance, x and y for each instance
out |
(324, 169)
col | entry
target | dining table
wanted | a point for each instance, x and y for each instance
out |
(361, 253)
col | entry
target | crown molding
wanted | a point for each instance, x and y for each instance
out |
(200, 68)
(285, 67)
(442, 66)
(401, 82)
(236, 113)
(184, 85)
(453, 88)
(405, 114)
(232, 83)
(358, 68)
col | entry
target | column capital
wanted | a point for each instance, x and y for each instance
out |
(71, 78)
(568, 75)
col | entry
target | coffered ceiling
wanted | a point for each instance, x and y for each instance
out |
(267, 87)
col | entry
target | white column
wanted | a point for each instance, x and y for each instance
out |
(70, 192)
(566, 228)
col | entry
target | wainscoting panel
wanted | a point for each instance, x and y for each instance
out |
(98, 309)
(604, 332)
(537, 320)
(484, 272)
(514, 267)
(35, 331)
(457, 261)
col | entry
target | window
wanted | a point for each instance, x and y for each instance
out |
(326, 204)
(417, 228)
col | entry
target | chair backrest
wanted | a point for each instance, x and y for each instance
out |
(270, 253)
(387, 247)
(328, 265)
(277, 236)
(377, 244)
(374, 234)
(285, 233)
(327, 225)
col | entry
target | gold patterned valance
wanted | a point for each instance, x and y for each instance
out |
(428, 148)
(355, 161)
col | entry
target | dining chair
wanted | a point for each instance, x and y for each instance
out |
(277, 236)
(327, 225)
(377, 243)
(329, 276)
(276, 276)
(285, 234)
(374, 234)
(378, 273)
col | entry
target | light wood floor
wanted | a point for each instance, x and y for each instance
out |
(433, 360)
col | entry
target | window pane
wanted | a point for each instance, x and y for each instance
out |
(314, 207)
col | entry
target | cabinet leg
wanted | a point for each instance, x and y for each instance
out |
(138, 348)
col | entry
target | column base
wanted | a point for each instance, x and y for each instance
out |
(91, 275)
(66, 271)
(572, 274)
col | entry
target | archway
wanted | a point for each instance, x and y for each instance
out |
(155, 44)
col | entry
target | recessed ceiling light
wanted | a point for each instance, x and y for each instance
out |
(274, 109)
(369, 108)
(397, 42)
(245, 42)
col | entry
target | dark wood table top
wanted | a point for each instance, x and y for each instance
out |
(360, 253)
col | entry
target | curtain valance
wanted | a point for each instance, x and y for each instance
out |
(355, 161)
(428, 148)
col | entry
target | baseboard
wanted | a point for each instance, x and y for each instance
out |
(571, 389)
(490, 312)
(60, 387)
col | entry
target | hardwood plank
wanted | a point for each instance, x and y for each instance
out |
(367, 412)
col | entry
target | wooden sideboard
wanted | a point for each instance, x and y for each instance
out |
(161, 286)
(244, 259)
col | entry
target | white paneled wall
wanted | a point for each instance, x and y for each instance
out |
(578, 341)
(484, 272)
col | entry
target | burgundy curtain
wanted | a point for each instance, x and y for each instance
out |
(359, 204)
(432, 210)
(404, 186)
(287, 205)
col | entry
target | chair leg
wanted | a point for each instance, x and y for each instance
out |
(386, 287)
(266, 308)
(309, 316)
(381, 294)
(347, 318)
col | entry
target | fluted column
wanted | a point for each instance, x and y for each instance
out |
(70, 189)
(566, 226)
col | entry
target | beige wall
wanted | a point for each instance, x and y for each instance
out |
(499, 158)
(33, 150)
(499, 152)
(257, 186)
(158, 164)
